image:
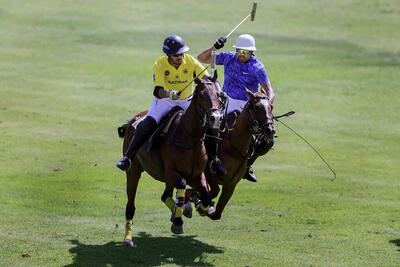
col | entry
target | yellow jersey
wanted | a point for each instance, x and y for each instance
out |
(170, 78)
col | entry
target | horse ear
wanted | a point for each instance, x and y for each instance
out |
(263, 91)
(249, 93)
(215, 76)
(197, 80)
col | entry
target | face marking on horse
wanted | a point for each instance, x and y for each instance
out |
(208, 102)
(266, 105)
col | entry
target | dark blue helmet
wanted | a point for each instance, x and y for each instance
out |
(174, 45)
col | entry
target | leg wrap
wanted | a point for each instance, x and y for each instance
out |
(128, 229)
(167, 199)
(180, 200)
(180, 183)
(205, 203)
(205, 198)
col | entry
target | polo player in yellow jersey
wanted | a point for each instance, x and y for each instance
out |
(171, 73)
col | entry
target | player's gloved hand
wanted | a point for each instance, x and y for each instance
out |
(173, 94)
(220, 42)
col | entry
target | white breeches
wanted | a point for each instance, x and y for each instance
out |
(160, 107)
(235, 104)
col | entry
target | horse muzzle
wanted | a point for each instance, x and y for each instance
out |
(214, 119)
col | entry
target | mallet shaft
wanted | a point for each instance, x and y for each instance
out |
(252, 14)
(234, 29)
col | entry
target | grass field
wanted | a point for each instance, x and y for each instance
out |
(72, 71)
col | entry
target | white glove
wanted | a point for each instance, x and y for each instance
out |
(173, 94)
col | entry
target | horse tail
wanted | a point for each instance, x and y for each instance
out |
(122, 130)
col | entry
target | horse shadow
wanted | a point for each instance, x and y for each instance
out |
(396, 242)
(148, 251)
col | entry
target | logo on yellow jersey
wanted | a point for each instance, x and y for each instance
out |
(166, 73)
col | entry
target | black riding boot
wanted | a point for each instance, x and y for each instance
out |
(143, 131)
(211, 143)
(259, 149)
(249, 175)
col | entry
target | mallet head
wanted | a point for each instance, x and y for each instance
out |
(253, 11)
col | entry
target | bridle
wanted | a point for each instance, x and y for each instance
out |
(255, 125)
(201, 113)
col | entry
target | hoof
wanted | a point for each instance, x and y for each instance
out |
(187, 210)
(177, 229)
(127, 242)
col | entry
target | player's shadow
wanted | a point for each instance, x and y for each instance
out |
(396, 242)
(147, 251)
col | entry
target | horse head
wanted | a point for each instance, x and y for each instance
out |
(209, 101)
(259, 114)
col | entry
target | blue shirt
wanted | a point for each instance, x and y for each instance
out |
(241, 75)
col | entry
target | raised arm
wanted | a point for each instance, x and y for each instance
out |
(270, 92)
(205, 56)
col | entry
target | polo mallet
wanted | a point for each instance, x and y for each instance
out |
(198, 75)
(252, 14)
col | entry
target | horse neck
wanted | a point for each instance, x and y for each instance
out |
(241, 132)
(191, 122)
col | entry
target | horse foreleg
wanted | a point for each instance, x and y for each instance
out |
(225, 196)
(177, 222)
(205, 197)
(132, 180)
(214, 187)
(167, 198)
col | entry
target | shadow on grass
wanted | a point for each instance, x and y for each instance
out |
(148, 251)
(396, 242)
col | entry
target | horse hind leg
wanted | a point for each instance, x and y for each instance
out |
(133, 175)
(203, 206)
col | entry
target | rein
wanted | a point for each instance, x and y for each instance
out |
(302, 138)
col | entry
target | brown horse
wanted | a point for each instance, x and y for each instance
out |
(178, 157)
(256, 118)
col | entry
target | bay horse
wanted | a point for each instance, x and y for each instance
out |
(256, 118)
(178, 157)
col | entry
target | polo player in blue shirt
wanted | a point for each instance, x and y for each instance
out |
(242, 70)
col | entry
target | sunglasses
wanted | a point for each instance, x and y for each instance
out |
(178, 55)
(243, 51)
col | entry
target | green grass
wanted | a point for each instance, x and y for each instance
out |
(72, 71)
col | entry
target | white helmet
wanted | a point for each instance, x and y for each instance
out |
(246, 41)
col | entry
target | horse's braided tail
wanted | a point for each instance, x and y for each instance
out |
(122, 130)
(124, 127)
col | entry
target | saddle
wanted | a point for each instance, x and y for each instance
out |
(164, 126)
